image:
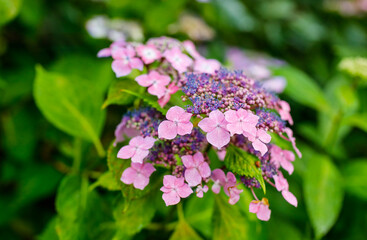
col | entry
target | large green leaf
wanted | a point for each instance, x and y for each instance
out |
(323, 191)
(71, 104)
(115, 94)
(228, 222)
(107, 180)
(148, 99)
(243, 163)
(184, 231)
(355, 178)
(302, 88)
(8, 10)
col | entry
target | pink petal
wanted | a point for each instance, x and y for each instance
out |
(192, 177)
(144, 80)
(179, 182)
(231, 178)
(199, 194)
(120, 68)
(148, 143)
(126, 152)
(289, 155)
(174, 113)
(188, 161)
(289, 197)
(169, 181)
(217, 116)
(166, 190)
(136, 63)
(207, 125)
(234, 195)
(184, 191)
(147, 169)
(190, 48)
(128, 176)
(221, 154)
(231, 116)
(198, 158)
(184, 128)
(141, 181)
(106, 52)
(254, 206)
(157, 90)
(167, 130)
(171, 198)
(263, 213)
(137, 141)
(216, 188)
(275, 84)
(280, 182)
(139, 155)
(219, 137)
(218, 174)
(129, 51)
(165, 99)
(259, 146)
(287, 165)
(118, 53)
(235, 128)
(263, 136)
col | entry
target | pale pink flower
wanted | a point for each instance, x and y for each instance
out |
(275, 84)
(200, 190)
(206, 65)
(137, 149)
(178, 60)
(261, 208)
(196, 169)
(282, 158)
(191, 49)
(138, 174)
(172, 88)
(178, 123)
(174, 189)
(125, 61)
(234, 195)
(228, 183)
(215, 127)
(107, 52)
(241, 121)
(260, 140)
(122, 131)
(148, 53)
(284, 112)
(155, 81)
(292, 139)
(281, 185)
(219, 178)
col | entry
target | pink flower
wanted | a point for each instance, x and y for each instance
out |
(138, 174)
(148, 53)
(219, 178)
(196, 169)
(284, 112)
(281, 185)
(234, 195)
(258, 142)
(261, 208)
(229, 185)
(155, 82)
(200, 190)
(275, 84)
(174, 189)
(206, 65)
(172, 88)
(191, 49)
(178, 123)
(137, 149)
(292, 139)
(282, 158)
(241, 121)
(178, 60)
(215, 126)
(125, 61)
(121, 131)
(107, 52)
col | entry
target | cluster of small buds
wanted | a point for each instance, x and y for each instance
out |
(164, 61)
(225, 108)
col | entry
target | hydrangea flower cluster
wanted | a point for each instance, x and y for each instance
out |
(223, 110)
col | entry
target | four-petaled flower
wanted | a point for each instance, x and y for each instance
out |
(124, 61)
(261, 208)
(281, 185)
(215, 126)
(200, 190)
(206, 65)
(137, 149)
(282, 158)
(259, 141)
(155, 81)
(178, 123)
(241, 121)
(196, 169)
(107, 52)
(148, 53)
(228, 183)
(178, 60)
(138, 174)
(174, 189)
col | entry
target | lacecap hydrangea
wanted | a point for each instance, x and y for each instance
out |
(220, 110)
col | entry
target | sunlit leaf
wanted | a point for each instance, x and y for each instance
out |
(115, 94)
(356, 67)
(8, 10)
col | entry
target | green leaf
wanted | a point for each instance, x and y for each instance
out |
(149, 99)
(107, 180)
(115, 94)
(49, 233)
(243, 163)
(184, 231)
(8, 10)
(301, 88)
(357, 120)
(71, 104)
(355, 178)
(228, 222)
(323, 191)
(355, 66)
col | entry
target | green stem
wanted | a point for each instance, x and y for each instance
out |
(180, 211)
(77, 155)
(99, 147)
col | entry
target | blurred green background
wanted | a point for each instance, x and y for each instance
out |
(46, 165)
